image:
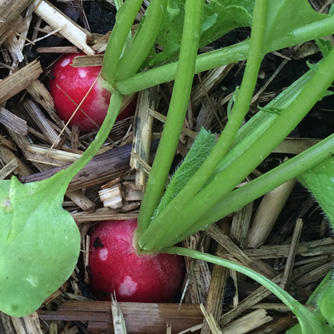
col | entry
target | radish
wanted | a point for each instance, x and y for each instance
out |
(69, 86)
(115, 267)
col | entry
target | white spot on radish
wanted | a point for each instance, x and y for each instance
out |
(128, 287)
(63, 76)
(103, 254)
(99, 103)
(65, 62)
(82, 73)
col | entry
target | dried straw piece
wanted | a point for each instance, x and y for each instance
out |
(13, 122)
(57, 49)
(42, 122)
(315, 275)
(82, 201)
(69, 29)
(139, 318)
(248, 302)
(112, 197)
(117, 317)
(210, 320)
(7, 155)
(20, 80)
(279, 325)
(101, 169)
(292, 253)
(267, 214)
(49, 157)
(217, 234)
(204, 117)
(9, 16)
(147, 99)
(41, 95)
(87, 61)
(248, 322)
(199, 275)
(16, 42)
(25, 325)
(295, 145)
(162, 118)
(240, 224)
(311, 248)
(214, 301)
(101, 215)
(9, 168)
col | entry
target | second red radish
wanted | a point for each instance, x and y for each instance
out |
(70, 85)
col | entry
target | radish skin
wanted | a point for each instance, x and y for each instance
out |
(115, 267)
(69, 86)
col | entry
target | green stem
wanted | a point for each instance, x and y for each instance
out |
(224, 56)
(66, 175)
(235, 119)
(161, 235)
(124, 20)
(308, 322)
(143, 40)
(176, 113)
(265, 183)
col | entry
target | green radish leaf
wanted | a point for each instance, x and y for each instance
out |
(320, 181)
(198, 152)
(219, 17)
(324, 46)
(39, 243)
(322, 298)
(326, 303)
(285, 15)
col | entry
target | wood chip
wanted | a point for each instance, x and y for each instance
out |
(292, 253)
(147, 99)
(101, 169)
(69, 29)
(214, 327)
(9, 16)
(13, 122)
(8, 169)
(42, 122)
(139, 318)
(248, 322)
(20, 80)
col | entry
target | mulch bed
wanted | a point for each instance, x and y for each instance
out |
(296, 251)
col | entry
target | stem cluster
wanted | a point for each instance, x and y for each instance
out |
(209, 194)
